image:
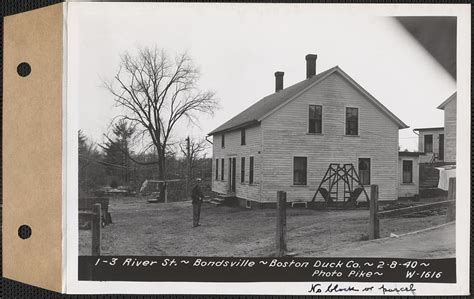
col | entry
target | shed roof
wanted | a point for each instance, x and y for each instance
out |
(269, 104)
(429, 129)
(443, 104)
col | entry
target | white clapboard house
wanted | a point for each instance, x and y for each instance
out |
(439, 143)
(449, 107)
(287, 140)
(431, 143)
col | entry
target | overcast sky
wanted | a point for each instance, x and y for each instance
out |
(239, 47)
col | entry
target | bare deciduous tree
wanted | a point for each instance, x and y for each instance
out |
(156, 92)
(197, 149)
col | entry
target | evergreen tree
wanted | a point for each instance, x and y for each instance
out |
(91, 173)
(117, 152)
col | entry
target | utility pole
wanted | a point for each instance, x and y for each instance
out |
(188, 166)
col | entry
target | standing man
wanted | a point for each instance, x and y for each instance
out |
(197, 197)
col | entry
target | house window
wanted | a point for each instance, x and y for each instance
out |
(407, 172)
(222, 169)
(352, 121)
(223, 141)
(242, 170)
(441, 147)
(242, 137)
(217, 169)
(428, 143)
(300, 170)
(251, 171)
(315, 121)
(364, 171)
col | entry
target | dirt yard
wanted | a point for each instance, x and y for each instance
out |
(142, 228)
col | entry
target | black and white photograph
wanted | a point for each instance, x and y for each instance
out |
(277, 132)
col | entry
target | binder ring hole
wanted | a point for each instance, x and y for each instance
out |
(23, 69)
(24, 231)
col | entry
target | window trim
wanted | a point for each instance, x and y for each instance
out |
(243, 136)
(307, 120)
(252, 170)
(370, 170)
(412, 172)
(293, 170)
(358, 120)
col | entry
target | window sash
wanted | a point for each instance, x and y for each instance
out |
(315, 119)
(300, 169)
(364, 171)
(428, 146)
(217, 169)
(407, 172)
(251, 166)
(223, 141)
(352, 121)
(242, 170)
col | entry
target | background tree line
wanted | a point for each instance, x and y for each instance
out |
(111, 164)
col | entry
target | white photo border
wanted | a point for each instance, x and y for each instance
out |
(70, 172)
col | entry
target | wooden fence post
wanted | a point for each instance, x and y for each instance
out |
(451, 213)
(374, 227)
(96, 227)
(281, 224)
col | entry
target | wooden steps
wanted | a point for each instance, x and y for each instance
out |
(224, 199)
(216, 201)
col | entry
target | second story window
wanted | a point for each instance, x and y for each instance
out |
(352, 121)
(315, 121)
(223, 141)
(242, 137)
(428, 143)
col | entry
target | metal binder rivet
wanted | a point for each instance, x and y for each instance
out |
(24, 232)
(23, 69)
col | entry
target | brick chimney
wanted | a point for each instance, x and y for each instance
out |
(279, 81)
(311, 65)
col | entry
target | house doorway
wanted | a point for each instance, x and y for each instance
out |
(441, 147)
(232, 170)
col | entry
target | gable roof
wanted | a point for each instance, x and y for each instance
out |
(443, 104)
(268, 105)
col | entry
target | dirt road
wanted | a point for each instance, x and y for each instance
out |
(437, 242)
